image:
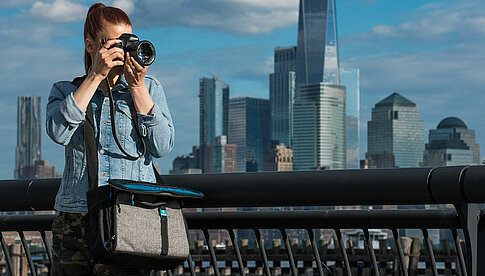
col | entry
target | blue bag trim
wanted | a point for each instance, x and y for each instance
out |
(153, 188)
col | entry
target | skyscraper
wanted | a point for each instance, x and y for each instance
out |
(29, 123)
(395, 134)
(319, 138)
(319, 127)
(281, 94)
(249, 129)
(451, 144)
(214, 108)
(350, 78)
(317, 51)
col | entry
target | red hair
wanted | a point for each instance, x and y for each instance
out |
(98, 16)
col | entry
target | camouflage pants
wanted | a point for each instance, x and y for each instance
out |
(70, 252)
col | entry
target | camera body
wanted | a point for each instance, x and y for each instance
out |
(143, 51)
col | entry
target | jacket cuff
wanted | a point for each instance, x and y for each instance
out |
(71, 111)
(154, 118)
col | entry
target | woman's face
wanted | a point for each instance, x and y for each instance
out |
(110, 31)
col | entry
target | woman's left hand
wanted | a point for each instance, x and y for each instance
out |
(134, 72)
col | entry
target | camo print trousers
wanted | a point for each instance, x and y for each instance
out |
(70, 253)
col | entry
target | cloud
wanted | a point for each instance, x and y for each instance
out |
(234, 16)
(126, 5)
(59, 10)
(433, 23)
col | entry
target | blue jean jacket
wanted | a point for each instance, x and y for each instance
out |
(65, 122)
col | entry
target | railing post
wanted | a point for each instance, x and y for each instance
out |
(469, 218)
(481, 245)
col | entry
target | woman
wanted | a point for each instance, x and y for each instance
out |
(66, 112)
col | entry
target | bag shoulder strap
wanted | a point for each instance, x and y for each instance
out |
(90, 143)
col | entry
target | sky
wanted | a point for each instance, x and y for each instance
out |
(431, 52)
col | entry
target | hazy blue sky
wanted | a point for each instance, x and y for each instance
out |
(429, 51)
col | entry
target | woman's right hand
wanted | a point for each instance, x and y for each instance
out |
(104, 59)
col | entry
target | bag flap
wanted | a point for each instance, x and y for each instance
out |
(140, 187)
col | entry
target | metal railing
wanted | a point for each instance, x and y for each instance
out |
(461, 186)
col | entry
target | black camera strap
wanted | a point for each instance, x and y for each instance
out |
(91, 144)
(113, 125)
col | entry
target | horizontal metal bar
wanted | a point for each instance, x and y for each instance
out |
(323, 219)
(461, 184)
(26, 222)
(308, 219)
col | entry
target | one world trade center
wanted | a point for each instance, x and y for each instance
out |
(319, 140)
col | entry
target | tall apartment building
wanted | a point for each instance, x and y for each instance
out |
(214, 108)
(29, 124)
(214, 113)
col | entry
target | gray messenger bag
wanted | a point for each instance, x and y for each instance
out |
(132, 223)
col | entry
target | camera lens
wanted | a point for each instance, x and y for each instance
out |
(145, 53)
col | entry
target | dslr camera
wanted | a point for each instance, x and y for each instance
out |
(142, 51)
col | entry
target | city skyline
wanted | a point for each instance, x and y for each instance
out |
(395, 52)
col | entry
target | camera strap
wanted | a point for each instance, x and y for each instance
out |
(113, 125)
(91, 143)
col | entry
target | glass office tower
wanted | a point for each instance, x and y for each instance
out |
(319, 138)
(317, 51)
(319, 127)
(214, 108)
(395, 134)
(281, 94)
(249, 129)
(350, 78)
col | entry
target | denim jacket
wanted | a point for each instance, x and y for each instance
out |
(65, 121)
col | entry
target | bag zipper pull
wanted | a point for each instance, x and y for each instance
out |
(132, 199)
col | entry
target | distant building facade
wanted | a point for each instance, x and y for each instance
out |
(29, 124)
(350, 78)
(282, 93)
(451, 144)
(186, 164)
(40, 169)
(249, 130)
(319, 127)
(221, 157)
(395, 134)
(279, 158)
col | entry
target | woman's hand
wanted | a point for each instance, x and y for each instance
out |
(105, 59)
(134, 73)
(135, 77)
